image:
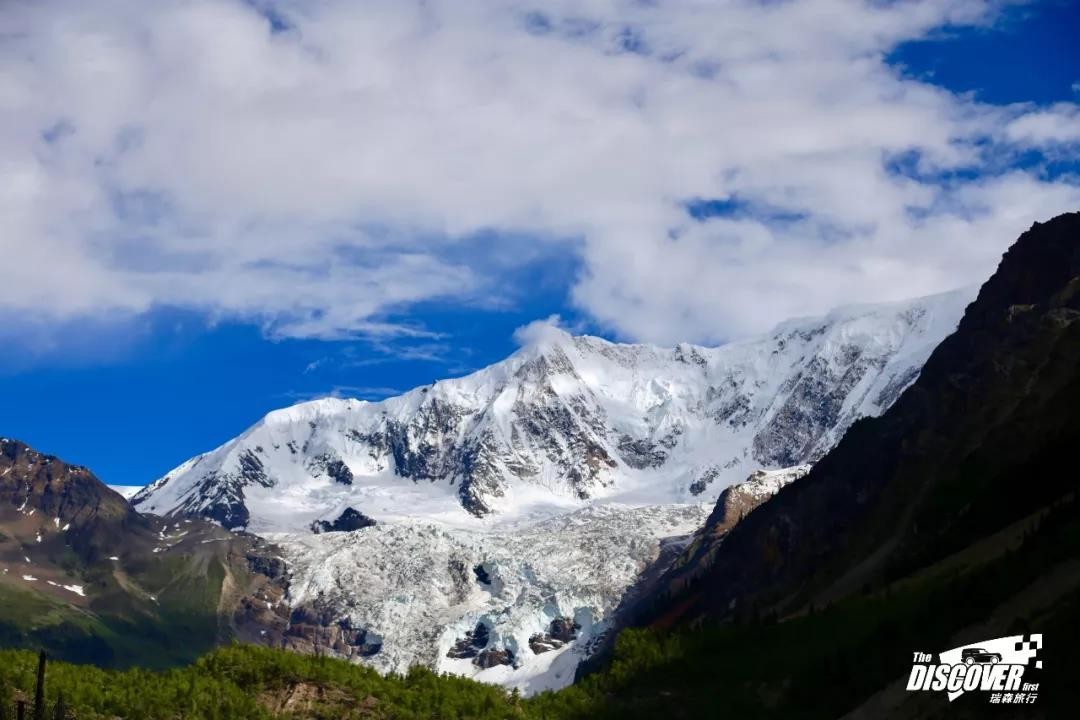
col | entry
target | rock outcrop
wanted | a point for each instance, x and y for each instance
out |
(561, 631)
(350, 519)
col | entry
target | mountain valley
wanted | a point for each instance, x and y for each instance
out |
(631, 582)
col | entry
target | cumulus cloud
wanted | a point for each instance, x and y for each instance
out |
(540, 333)
(318, 166)
(1060, 124)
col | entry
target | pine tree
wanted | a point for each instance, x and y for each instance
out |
(39, 688)
(59, 711)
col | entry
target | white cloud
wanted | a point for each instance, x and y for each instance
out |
(1058, 124)
(540, 333)
(360, 392)
(315, 179)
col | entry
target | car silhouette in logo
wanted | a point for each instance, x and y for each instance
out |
(978, 655)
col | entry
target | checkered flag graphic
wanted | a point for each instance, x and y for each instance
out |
(1030, 647)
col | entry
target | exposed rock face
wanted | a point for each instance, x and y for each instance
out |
(265, 616)
(491, 657)
(470, 646)
(226, 493)
(978, 441)
(226, 489)
(316, 629)
(33, 482)
(474, 646)
(349, 520)
(261, 616)
(704, 480)
(540, 643)
(737, 501)
(567, 420)
(734, 504)
(307, 700)
(561, 631)
(640, 453)
(333, 467)
(270, 566)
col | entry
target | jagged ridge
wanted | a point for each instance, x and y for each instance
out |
(565, 421)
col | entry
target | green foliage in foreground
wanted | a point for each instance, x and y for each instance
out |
(247, 682)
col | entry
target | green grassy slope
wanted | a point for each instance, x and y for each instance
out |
(183, 628)
(158, 611)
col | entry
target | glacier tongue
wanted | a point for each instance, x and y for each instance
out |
(423, 587)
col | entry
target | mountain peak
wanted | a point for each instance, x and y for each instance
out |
(542, 334)
(566, 421)
(311, 410)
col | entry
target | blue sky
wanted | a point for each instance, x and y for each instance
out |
(184, 387)
(176, 384)
(1030, 55)
(313, 278)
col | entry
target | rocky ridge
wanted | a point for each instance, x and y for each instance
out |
(564, 422)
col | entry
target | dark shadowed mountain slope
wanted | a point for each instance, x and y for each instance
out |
(951, 519)
(987, 435)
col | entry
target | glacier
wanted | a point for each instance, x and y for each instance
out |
(417, 584)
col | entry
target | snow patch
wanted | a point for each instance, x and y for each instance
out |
(77, 589)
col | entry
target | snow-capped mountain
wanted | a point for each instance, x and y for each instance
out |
(490, 525)
(564, 422)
